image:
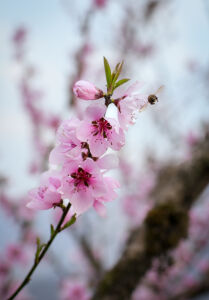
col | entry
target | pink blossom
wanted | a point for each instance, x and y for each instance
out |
(86, 90)
(15, 253)
(47, 195)
(19, 35)
(100, 3)
(129, 104)
(100, 132)
(30, 237)
(84, 183)
(74, 290)
(68, 145)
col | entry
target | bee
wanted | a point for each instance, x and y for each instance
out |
(152, 99)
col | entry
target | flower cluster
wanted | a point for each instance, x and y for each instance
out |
(81, 144)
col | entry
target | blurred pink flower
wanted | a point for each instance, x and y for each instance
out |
(190, 281)
(86, 90)
(15, 254)
(53, 122)
(19, 35)
(192, 139)
(144, 293)
(203, 265)
(4, 270)
(136, 208)
(100, 3)
(74, 290)
(24, 212)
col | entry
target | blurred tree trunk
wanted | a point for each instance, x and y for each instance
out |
(177, 187)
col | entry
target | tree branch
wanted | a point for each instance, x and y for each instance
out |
(38, 259)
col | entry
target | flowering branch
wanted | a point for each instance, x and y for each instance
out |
(42, 249)
(79, 158)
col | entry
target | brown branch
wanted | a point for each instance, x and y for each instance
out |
(177, 188)
(42, 253)
(94, 262)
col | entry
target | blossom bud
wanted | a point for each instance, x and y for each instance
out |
(86, 90)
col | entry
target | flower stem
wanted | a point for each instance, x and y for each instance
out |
(42, 253)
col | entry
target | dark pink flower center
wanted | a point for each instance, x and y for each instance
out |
(4, 269)
(101, 127)
(15, 253)
(77, 293)
(81, 177)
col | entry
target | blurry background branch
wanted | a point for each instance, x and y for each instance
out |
(178, 186)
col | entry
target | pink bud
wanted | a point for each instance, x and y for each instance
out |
(86, 90)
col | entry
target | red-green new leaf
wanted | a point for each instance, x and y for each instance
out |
(107, 73)
(117, 71)
(120, 82)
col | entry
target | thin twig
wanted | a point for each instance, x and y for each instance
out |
(41, 255)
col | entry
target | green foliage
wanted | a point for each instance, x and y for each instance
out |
(111, 77)
(120, 82)
(107, 73)
(70, 222)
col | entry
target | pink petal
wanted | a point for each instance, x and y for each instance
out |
(38, 205)
(95, 112)
(81, 201)
(98, 145)
(83, 131)
(100, 208)
(117, 140)
(52, 197)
